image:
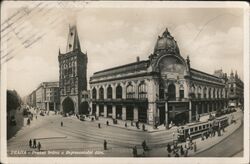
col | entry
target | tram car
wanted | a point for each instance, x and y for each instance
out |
(195, 130)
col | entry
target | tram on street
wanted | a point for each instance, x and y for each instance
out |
(195, 130)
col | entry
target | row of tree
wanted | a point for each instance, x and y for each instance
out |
(13, 100)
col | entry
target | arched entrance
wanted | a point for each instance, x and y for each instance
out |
(84, 108)
(171, 92)
(68, 106)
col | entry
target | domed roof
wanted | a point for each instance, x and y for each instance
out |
(166, 43)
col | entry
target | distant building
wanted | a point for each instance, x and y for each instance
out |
(48, 96)
(236, 90)
(31, 99)
(162, 89)
(73, 75)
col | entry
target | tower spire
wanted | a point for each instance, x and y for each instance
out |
(73, 40)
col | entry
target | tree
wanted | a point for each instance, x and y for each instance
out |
(13, 100)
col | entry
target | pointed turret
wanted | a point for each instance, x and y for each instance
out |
(73, 40)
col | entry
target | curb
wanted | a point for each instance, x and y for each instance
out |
(217, 142)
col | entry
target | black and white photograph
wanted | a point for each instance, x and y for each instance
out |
(137, 82)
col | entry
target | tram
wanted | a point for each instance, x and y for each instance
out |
(196, 130)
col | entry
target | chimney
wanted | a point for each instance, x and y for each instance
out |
(137, 59)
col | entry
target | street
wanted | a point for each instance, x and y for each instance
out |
(84, 138)
(231, 146)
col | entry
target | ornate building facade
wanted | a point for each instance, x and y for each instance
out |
(46, 96)
(236, 90)
(159, 90)
(73, 75)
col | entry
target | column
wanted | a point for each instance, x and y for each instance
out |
(97, 110)
(202, 108)
(177, 91)
(113, 111)
(196, 111)
(166, 115)
(105, 91)
(135, 113)
(105, 111)
(54, 106)
(190, 111)
(136, 90)
(114, 91)
(97, 92)
(123, 91)
(123, 112)
(47, 106)
(208, 107)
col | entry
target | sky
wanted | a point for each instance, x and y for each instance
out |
(212, 37)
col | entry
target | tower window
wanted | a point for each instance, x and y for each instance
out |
(70, 45)
(71, 33)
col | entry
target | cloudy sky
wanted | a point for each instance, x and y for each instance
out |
(212, 37)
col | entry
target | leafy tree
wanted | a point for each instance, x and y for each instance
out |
(13, 100)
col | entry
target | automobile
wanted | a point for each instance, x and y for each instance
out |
(41, 113)
(82, 117)
(12, 121)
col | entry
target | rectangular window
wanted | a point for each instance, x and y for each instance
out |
(181, 94)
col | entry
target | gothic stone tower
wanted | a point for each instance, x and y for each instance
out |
(73, 74)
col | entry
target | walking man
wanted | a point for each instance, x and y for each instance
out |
(30, 143)
(61, 124)
(99, 125)
(105, 145)
(34, 143)
(135, 151)
(39, 146)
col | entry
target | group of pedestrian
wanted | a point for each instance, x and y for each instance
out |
(176, 150)
(137, 124)
(34, 144)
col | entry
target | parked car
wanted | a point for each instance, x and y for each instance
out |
(82, 117)
(12, 121)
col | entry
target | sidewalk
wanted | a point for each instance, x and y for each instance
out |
(206, 143)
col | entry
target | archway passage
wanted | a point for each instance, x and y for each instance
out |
(84, 108)
(68, 106)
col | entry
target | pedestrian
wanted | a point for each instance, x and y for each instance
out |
(181, 150)
(34, 143)
(99, 125)
(105, 145)
(61, 124)
(177, 155)
(36, 117)
(143, 127)
(135, 151)
(144, 145)
(30, 143)
(168, 148)
(39, 146)
(126, 124)
(107, 123)
(195, 147)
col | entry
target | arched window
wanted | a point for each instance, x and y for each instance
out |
(101, 93)
(142, 89)
(199, 92)
(93, 93)
(109, 92)
(218, 93)
(118, 92)
(161, 91)
(214, 92)
(205, 92)
(209, 93)
(130, 91)
(181, 92)
(171, 92)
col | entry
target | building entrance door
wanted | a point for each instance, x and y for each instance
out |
(68, 106)
(162, 115)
